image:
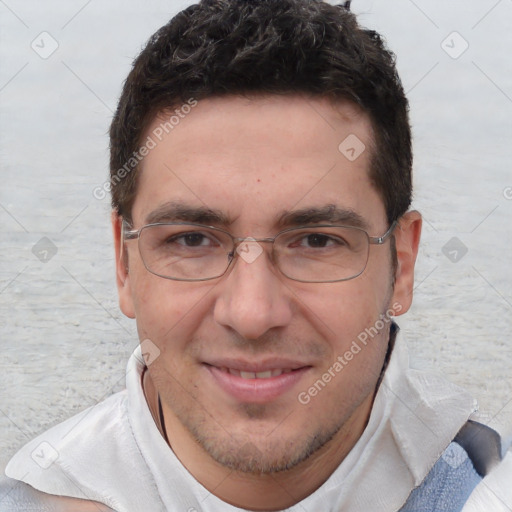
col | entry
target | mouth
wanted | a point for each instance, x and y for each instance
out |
(267, 374)
(256, 383)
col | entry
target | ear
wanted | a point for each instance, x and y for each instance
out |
(407, 236)
(122, 271)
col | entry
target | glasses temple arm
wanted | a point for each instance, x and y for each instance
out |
(379, 240)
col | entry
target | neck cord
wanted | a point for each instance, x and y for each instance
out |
(160, 412)
(162, 420)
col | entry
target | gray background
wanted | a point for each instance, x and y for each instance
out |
(64, 341)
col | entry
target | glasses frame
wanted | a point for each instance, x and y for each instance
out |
(134, 234)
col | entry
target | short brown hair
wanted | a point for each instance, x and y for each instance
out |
(236, 47)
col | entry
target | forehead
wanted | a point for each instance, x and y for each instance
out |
(258, 158)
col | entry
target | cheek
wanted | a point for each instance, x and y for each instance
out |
(346, 309)
(355, 324)
(168, 312)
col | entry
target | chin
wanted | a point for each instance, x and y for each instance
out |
(266, 453)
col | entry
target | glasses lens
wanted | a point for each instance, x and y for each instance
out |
(322, 254)
(184, 252)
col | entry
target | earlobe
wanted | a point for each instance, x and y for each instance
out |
(407, 238)
(122, 268)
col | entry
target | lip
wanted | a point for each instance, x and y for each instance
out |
(256, 390)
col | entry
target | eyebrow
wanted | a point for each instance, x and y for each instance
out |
(180, 212)
(176, 211)
(331, 214)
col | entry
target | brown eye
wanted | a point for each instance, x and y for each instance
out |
(317, 240)
(190, 239)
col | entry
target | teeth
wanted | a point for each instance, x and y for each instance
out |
(257, 375)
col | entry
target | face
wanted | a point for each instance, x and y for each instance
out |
(254, 162)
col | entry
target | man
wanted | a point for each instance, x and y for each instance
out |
(261, 180)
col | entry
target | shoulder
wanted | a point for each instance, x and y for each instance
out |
(81, 449)
(470, 475)
(76, 435)
(495, 490)
(16, 496)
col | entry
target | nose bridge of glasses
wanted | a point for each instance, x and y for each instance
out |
(249, 248)
(239, 239)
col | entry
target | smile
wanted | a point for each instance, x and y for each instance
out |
(257, 375)
(250, 386)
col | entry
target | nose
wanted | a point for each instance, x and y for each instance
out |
(252, 296)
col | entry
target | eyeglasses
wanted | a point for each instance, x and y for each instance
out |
(312, 254)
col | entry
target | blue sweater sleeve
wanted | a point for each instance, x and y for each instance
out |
(447, 486)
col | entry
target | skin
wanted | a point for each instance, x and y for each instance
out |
(254, 159)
